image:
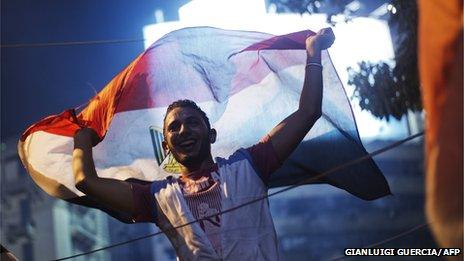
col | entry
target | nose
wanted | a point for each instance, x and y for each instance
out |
(184, 129)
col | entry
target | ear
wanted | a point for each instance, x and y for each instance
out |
(165, 146)
(212, 136)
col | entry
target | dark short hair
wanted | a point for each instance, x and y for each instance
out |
(187, 104)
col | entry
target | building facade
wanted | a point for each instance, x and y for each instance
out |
(35, 226)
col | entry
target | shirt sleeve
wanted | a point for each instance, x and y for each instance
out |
(144, 203)
(264, 158)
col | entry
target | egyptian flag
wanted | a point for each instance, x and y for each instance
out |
(246, 82)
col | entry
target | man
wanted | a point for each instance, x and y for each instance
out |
(6, 255)
(206, 187)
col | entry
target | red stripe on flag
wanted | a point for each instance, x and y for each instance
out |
(134, 84)
(62, 124)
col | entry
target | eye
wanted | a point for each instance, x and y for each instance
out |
(173, 127)
(194, 122)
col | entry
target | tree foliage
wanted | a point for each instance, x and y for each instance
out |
(316, 6)
(385, 91)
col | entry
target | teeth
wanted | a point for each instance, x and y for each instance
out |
(187, 142)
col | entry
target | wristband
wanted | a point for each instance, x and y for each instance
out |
(314, 64)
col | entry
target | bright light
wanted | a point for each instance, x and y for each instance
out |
(153, 32)
(391, 8)
(362, 39)
(353, 6)
(222, 12)
(159, 16)
(380, 11)
(272, 9)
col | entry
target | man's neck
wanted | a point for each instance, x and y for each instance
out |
(187, 171)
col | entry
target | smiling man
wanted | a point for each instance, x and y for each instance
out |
(206, 187)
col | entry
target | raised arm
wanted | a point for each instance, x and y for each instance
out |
(116, 194)
(286, 136)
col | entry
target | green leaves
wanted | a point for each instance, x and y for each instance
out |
(384, 91)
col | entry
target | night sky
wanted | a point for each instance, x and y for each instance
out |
(40, 81)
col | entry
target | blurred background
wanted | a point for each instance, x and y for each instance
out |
(375, 56)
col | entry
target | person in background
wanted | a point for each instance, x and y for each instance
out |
(440, 66)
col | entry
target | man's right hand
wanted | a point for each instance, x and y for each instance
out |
(116, 194)
(86, 136)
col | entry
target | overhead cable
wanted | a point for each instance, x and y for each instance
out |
(297, 184)
(31, 45)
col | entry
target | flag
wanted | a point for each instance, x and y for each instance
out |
(246, 82)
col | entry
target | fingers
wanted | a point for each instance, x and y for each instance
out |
(327, 37)
(87, 134)
(322, 40)
(325, 31)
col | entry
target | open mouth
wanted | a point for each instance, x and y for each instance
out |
(187, 144)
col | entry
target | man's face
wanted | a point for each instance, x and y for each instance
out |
(187, 136)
